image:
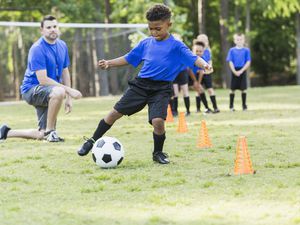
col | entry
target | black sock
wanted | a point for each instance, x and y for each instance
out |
(244, 97)
(187, 103)
(214, 101)
(175, 104)
(231, 96)
(171, 103)
(101, 129)
(159, 142)
(203, 99)
(198, 103)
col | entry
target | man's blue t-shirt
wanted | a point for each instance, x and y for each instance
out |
(44, 56)
(239, 56)
(163, 60)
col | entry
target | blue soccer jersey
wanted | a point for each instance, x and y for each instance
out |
(206, 55)
(163, 60)
(44, 56)
(239, 56)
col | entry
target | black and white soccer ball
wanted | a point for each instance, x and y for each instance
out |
(108, 152)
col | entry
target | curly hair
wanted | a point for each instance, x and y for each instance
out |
(158, 12)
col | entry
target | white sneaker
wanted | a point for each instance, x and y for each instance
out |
(52, 136)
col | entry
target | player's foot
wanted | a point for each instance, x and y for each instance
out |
(232, 109)
(208, 111)
(216, 111)
(245, 107)
(198, 110)
(86, 147)
(160, 157)
(52, 136)
(187, 113)
(3, 132)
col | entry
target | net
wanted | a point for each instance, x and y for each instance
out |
(87, 44)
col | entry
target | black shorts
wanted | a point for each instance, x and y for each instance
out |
(142, 92)
(239, 82)
(207, 81)
(182, 78)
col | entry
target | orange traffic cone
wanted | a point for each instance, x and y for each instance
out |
(169, 118)
(203, 140)
(182, 127)
(243, 164)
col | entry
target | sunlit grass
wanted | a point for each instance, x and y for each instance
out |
(43, 183)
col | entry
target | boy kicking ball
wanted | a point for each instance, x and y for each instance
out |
(163, 57)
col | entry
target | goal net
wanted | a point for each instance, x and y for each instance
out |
(87, 44)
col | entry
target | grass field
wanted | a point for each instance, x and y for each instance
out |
(47, 183)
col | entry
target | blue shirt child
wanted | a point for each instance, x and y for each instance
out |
(163, 60)
(239, 56)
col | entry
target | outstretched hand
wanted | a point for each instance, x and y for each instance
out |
(74, 93)
(103, 64)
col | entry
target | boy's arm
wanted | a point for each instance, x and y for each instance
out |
(105, 64)
(232, 68)
(245, 67)
(194, 79)
(203, 64)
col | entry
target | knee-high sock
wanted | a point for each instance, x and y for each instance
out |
(214, 101)
(203, 99)
(159, 142)
(231, 97)
(101, 129)
(175, 104)
(244, 98)
(198, 103)
(187, 103)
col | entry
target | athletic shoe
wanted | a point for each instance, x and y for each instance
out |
(245, 107)
(3, 132)
(216, 111)
(187, 113)
(160, 157)
(232, 109)
(207, 111)
(198, 110)
(52, 136)
(86, 147)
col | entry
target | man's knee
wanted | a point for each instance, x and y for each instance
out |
(58, 93)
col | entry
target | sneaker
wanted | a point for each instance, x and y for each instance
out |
(198, 110)
(3, 132)
(232, 109)
(216, 111)
(245, 107)
(207, 111)
(160, 157)
(187, 113)
(86, 147)
(52, 136)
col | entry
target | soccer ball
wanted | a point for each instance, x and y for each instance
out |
(107, 152)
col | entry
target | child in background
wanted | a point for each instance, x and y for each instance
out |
(239, 59)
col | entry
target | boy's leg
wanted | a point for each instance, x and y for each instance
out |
(159, 137)
(103, 126)
(244, 98)
(231, 101)
(175, 106)
(213, 100)
(186, 98)
(198, 103)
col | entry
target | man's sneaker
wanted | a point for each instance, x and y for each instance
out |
(245, 107)
(232, 109)
(52, 136)
(160, 157)
(3, 132)
(86, 147)
(207, 111)
(216, 111)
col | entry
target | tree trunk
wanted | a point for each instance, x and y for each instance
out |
(1, 83)
(237, 10)
(224, 42)
(75, 56)
(247, 32)
(298, 46)
(16, 70)
(201, 16)
(113, 76)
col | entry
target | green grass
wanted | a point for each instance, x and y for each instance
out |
(44, 183)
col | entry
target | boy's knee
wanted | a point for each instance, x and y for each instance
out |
(58, 93)
(158, 125)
